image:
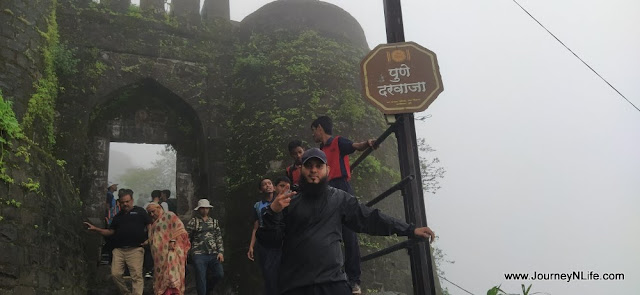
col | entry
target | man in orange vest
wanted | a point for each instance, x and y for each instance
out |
(338, 149)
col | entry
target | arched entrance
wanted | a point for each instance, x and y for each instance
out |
(147, 112)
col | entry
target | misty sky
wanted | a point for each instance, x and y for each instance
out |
(542, 157)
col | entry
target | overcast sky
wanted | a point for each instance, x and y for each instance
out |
(542, 157)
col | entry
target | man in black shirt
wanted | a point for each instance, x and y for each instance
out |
(128, 232)
(309, 228)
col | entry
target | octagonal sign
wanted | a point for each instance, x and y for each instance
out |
(400, 77)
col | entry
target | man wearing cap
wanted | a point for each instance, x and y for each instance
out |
(338, 149)
(309, 224)
(206, 247)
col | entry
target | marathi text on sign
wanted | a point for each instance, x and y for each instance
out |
(400, 78)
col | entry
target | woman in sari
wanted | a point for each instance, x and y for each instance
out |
(169, 246)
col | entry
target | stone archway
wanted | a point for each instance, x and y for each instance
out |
(147, 112)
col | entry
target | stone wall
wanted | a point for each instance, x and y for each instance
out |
(40, 228)
(23, 24)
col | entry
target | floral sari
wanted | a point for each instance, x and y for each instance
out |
(169, 265)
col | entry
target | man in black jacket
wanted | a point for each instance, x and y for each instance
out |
(308, 225)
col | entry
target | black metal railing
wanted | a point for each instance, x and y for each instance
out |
(399, 246)
(396, 187)
(409, 243)
(368, 151)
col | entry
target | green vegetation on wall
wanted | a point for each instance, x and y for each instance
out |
(9, 130)
(40, 115)
(285, 81)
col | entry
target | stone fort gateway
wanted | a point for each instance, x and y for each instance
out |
(78, 75)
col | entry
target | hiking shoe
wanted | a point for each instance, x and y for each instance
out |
(355, 289)
(148, 275)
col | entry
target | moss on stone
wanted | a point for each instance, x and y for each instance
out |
(38, 121)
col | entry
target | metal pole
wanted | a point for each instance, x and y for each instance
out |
(421, 269)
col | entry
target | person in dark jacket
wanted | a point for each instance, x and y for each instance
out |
(337, 149)
(308, 225)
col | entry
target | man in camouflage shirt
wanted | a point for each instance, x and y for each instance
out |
(206, 247)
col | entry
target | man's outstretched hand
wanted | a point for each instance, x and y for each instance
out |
(90, 226)
(282, 201)
(425, 232)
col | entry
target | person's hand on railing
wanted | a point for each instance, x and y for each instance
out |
(425, 232)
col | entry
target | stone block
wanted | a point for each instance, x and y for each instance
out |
(11, 254)
(10, 272)
(152, 7)
(44, 279)
(19, 4)
(3, 86)
(8, 233)
(25, 290)
(216, 9)
(187, 10)
(10, 213)
(6, 284)
(28, 277)
(7, 54)
(17, 45)
(28, 219)
(6, 30)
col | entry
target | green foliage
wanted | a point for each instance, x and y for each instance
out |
(250, 65)
(440, 259)
(24, 20)
(134, 11)
(4, 176)
(12, 202)
(23, 151)
(431, 170)
(9, 130)
(494, 290)
(368, 241)
(31, 186)
(289, 79)
(9, 126)
(97, 70)
(171, 20)
(64, 60)
(39, 118)
(497, 291)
